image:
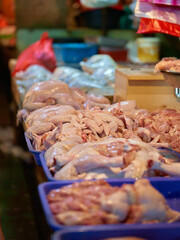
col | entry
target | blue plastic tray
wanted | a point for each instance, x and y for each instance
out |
(170, 189)
(170, 150)
(51, 178)
(149, 232)
(74, 52)
(45, 167)
(36, 154)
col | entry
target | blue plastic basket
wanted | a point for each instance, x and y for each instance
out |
(74, 52)
(169, 188)
(149, 232)
(36, 154)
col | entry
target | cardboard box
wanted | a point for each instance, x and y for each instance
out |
(148, 89)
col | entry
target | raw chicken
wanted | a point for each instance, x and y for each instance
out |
(54, 92)
(97, 202)
(171, 63)
(51, 114)
(84, 126)
(108, 158)
(159, 128)
(49, 93)
(125, 106)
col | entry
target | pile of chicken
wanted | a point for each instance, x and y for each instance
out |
(168, 63)
(54, 92)
(97, 202)
(109, 158)
(90, 118)
(59, 118)
(52, 124)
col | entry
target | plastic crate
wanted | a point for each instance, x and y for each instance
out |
(169, 188)
(74, 52)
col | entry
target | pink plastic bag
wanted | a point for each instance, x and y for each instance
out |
(159, 12)
(40, 53)
(175, 3)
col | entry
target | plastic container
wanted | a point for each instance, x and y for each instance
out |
(165, 152)
(36, 154)
(147, 232)
(74, 52)
(45, 167)
(118, 54)
(148, 49)
(169, 188)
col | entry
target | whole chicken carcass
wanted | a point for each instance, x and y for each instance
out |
(54, 92)
(49, 93)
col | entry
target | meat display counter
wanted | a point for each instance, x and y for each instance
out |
(84, 124)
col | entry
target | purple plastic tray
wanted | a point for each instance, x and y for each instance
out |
(34, 152)
(170, 189)
(149, 232)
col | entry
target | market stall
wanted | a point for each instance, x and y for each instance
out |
(104, 136)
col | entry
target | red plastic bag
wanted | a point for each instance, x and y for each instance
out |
(40, 53)
(153, 25)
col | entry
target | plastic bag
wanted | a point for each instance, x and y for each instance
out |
(98, 61)
(163, 13)
(98, 3)
(104, 76)
(39, 53)
(33, 74)
(164, 2)
(153, 25)
(75, 78)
